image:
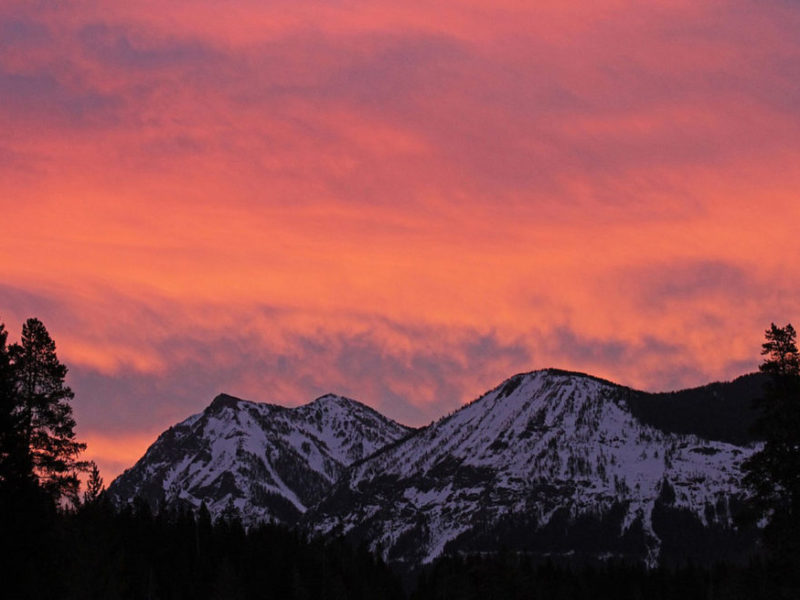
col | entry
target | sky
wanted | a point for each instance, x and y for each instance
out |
(400, 202)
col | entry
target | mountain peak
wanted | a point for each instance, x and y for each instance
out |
(328, 401)
(225, 400)
(543, 450)
(330, 398)
(222, 401)
(558, 373)
(272, 462)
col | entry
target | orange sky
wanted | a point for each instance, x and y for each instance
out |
(400, 202)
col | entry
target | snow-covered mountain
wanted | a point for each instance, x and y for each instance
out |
(265, 461)
(555, 463)
(550, 462)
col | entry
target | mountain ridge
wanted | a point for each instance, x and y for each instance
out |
(269, 462)
(543, 451)
(538, 443)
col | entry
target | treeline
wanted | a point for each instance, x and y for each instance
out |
(507, 576)
(717, 411)
(98, 552)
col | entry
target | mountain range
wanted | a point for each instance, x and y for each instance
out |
(554, 463)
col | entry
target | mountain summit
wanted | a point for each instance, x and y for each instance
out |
(267, 462)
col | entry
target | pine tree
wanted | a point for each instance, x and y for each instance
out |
(27, 512)
(773, 474)
(94, 485)
(45, 416)
(782, 361)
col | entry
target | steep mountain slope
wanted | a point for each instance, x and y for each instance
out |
(551, 462)
(264, 461)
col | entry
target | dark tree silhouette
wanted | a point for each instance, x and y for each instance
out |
(44, 413)
(38, 462)
(773, 474)
(94, 485)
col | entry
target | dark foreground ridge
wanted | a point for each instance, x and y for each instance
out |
(101, 553)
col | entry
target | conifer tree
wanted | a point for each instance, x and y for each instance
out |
(94, 485)
(44, 413)
(773, 474)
